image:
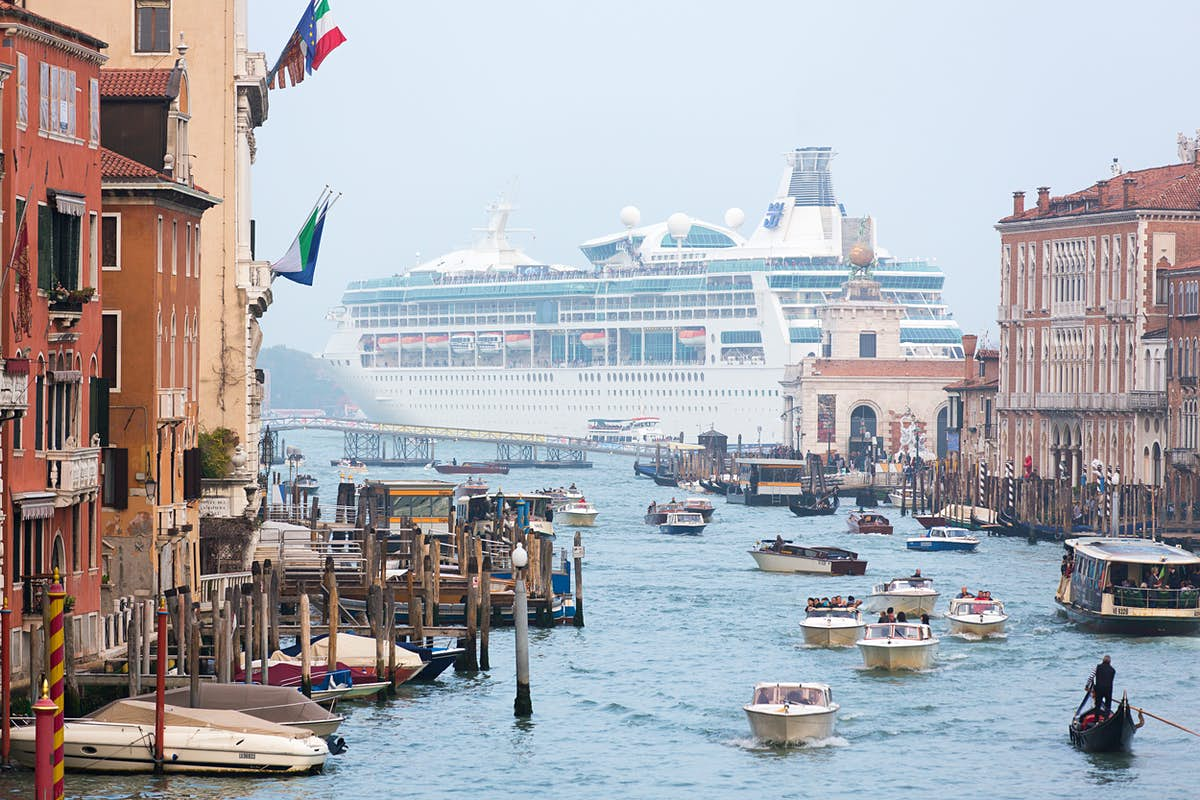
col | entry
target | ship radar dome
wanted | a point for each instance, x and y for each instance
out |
(734, 218)
(678, 225)
(630, 216)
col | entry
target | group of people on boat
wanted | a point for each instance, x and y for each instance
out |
(891, 616)
(833, 602)
(980, 595)
(560, 491)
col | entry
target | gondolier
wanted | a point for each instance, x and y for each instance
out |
(1102, 683)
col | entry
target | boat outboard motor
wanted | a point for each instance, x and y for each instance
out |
(337, 745)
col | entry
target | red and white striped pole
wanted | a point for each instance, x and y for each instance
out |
(57, 656)
(160, 686)
(43, 771)
(5, 681)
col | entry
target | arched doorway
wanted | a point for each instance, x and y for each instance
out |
(58, 554)
(943, 422)
(1156, 464)
(864, 426)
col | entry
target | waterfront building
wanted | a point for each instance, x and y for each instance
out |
(229, 81)
(686, 321)
(973, 406)
(150, 254)
(1083, 316)
(50, 197)
(1182, 335)
(864, 397)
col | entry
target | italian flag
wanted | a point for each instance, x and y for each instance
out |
(323, 34)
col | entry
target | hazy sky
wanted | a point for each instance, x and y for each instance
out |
(937, 111)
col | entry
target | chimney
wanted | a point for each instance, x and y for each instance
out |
(1101, 193)
(1127, 192)
(1018, 203)
(1043, 199)
(969, 341)
(1196, 156)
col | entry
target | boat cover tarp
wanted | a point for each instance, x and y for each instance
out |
(278, 704)
(141, 712)
(353, 651)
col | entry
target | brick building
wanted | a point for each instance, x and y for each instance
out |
(1182, 335)
(973, 406)
(1083, 315)
(50, 196)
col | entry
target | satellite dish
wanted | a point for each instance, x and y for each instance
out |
(630, 216)
(678, 225)
(734, 218)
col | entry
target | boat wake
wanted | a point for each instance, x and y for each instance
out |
(747, 743)
(975, 637)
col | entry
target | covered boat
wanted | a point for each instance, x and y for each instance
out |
(577, 514)
(782, 555)
(120, 738)
(281, 705)
(941, 537)
(977, 616)
(700, 506)
(898, 645)
(791, 713)
(1097, 731)
(356, 653)
(868, 522)
(682, 522)
(656, 513)
(914, 596)
(832, 627)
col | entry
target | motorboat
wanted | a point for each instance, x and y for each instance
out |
(791, 713)
(335, 684)
(356, 653)
(902, 498)
(472, 487)
(682, 522)
(472, 468)
(579, 514)
(941, 537)
(437, 659)
(914, 596)
(120, 738)
(783, 555)
(977, 616)
(832, 627)
(1097, 731)
(281, 705)
(656, 513)
(700, 506)
(868, 522)
(898, 645)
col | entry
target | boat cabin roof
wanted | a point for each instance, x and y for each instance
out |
(790, 549)
(898, 630)
(908, 583)
(972, 605)
(684, 517)
(805, 694)
(945, 531)
(1132, 551)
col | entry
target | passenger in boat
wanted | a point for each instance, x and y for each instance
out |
(778, 546)
(965, 593)
(891, 614)
(883, 618)
(924, 619)
(851, 602)
(1102, 687)
(901, 617)
(917, 573)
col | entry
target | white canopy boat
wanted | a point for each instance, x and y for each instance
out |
(898, 645)
(914, 596)
(120, 738)
(832, 627)
(791, 713)
(782, 555)
(976, 616)
(577, 514)
(281, 705)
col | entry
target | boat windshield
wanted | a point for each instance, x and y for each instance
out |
(684, 519)
(897, 632)
(968, 605)
(836, 613)
(792, 695)
(907, 584)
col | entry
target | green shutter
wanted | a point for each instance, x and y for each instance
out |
(98, 405)
(45, 251)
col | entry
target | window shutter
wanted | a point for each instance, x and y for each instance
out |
(116, 477)
(45, 256)
(98, 404)
(191, 474)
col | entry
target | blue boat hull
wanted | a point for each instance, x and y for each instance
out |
(681, 529)
(931, 546)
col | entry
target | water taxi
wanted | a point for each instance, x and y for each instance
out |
(898, 645)
(682, 522)
(782, 555)
(832, 627)
(1126, 585)
(976, 616)
(941, 537)
(579, 514)
(914, 596)
(791, 713)
(868, 522)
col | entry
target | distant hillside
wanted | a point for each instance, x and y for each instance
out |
(296, 379)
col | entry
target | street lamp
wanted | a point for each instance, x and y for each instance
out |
(523, 705)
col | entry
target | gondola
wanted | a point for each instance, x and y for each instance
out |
(665, 480)
(1113, 735)
(809, 505)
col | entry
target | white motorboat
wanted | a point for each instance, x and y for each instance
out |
(577, 514)
(977, 616)
(914, 596)
(898, 645)
(942, 537)
(120, 738)
(282, 705)
(682, 522)
(784, 556)
(832, 627)
(791, 713)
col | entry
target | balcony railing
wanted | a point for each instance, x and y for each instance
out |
(1143, 400)
(14, 388)
(1133, 597)
(1184, 458)
(1118, 308)
(73, 472)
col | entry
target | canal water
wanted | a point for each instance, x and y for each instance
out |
(646, 701)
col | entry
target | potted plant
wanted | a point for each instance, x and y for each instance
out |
(81, 296)
(63, 299)
(58, 293)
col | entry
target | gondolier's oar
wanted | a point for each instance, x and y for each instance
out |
(1087, 693)
(1160, 719)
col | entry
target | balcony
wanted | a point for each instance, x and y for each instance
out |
(73, 473)
(1187, 381)
(1118, 309)
(172, 405)
(1184, 458)
(65, 313)
(14, 388)
(1143, 400)
(254, 278)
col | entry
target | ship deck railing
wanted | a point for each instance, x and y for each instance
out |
(1137, 597)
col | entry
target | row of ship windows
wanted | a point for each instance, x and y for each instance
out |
(607, 409)
(595, 392)
(565, 316)
(541, 377)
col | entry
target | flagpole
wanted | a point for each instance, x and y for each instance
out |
(20, 222)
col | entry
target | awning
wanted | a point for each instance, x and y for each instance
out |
(66, 376)
(70, 203)
(35, 505)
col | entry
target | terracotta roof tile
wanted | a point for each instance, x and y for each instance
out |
(1173, 187)
(115, 165)
(143, 83)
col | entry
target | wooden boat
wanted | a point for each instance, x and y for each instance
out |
(898, 645)
(472, 468)
(928, 521)
(437, 660)
(355, 653)
(832, 627)
(120, 738)
(775, 556)
(281, 705)
(580, 514)
(665, 480)
(914, 596)
(791, 713)
(338, 684)
(1092, 592)
(682, 522)
(868, 522)
(657, 514)
(1095, 732)
(976, 616)
(700, 506)
(810, 505)
(943, 538)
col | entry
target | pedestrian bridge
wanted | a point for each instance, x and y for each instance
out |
(413, 444)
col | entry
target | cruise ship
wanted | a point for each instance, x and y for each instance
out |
(684, 320)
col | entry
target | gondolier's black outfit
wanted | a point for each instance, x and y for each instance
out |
(1104, 675)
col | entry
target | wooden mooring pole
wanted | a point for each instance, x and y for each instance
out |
(577, 564)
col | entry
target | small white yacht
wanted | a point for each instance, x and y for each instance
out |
(898, 645)
(791, 713)
(577, 514)
(914, 596)
(832, 627)
(942, 537)
(978, 616)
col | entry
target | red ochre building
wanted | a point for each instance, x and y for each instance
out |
(1183, 366)
(1083, 320)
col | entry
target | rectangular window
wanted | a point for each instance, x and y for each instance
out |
(187, 251)
(866, 345)
(158, 250)
(94, 112)
(116, 477)
(98, 392)
(22, 91)
(44, 96)
(196, 252)
(174, 247)
(110, 241)
(57, 101)
(93, 249)
(45, 247)
(64, 248)
(152, 26)
(110, 343)
(39, 412)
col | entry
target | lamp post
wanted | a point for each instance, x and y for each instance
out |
(523, 706)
